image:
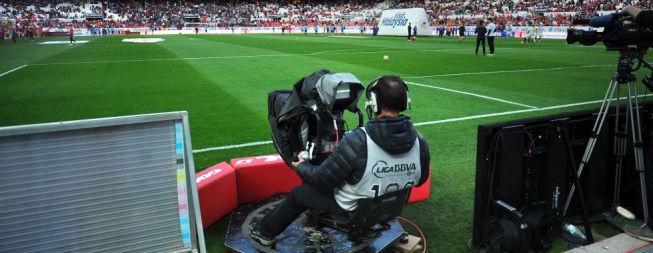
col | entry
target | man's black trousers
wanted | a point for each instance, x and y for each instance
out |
(490, 43)
(480, 40)
(300, 198)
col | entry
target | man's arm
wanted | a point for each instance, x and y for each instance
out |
(642, 17)
(424, 159)
(350, 154)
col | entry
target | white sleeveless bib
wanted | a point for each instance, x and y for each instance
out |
(383, 173)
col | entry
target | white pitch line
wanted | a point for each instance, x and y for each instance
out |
(256, 143)
(209, 58)
(515, 112)
(241, 56)
(473, 94)
(6, 73)
(435, 122)
(509, 71)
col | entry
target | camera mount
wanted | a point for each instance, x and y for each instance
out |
(631, 124)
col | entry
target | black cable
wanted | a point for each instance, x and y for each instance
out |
(496, 141)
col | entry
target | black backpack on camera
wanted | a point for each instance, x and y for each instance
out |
(309, 118)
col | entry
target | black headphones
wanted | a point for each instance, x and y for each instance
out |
(373, 105)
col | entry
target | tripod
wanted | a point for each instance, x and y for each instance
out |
(631, 124)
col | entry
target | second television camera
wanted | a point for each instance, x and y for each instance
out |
(620, 32)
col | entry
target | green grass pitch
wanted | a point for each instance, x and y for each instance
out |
(223, 81)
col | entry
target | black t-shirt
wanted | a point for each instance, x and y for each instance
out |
(461, 30)
(481, 31)
(409, 28)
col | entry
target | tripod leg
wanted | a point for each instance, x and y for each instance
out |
(636, 131)
(620, 146)
(596, 130)
(572, 162)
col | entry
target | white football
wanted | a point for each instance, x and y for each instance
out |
(385, 58)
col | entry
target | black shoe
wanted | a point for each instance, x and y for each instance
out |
(255, 233)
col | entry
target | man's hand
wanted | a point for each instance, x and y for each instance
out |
(632, 11)
(300, 160)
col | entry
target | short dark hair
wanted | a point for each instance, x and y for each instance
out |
(392, 93)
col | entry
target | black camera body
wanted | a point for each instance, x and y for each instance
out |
(620, 33)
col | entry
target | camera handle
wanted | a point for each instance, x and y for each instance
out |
(623, 77)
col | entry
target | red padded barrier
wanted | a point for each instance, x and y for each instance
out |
(216, 187)
(260, 177)
(421, 193)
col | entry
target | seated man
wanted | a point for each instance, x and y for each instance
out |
(361, 166)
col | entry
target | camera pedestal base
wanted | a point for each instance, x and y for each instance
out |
(616, 244)
(298, 237)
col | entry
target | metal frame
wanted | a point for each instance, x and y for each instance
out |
(182, 116)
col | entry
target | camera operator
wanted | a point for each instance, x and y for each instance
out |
(642, 17)
(350, 172)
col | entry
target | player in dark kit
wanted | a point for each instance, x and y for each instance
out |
(2, 34)
(480, 36)
(14, 34)
(30, 33)
(410, 29)
(461, 32)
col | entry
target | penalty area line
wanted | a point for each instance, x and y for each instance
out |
(435, 122)
(473, 94)
(6, 73)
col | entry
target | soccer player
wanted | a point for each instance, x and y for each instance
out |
(528, 39)
(14, 33)
(342, 29)
(30, 32)
(480, 36)
(540, 32)
(410, 29)
(461, 32)
(315, 27)
(491, 28)
(72, 34)
(414, 31)
(2, 34)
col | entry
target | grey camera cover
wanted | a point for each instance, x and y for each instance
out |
(328, 84)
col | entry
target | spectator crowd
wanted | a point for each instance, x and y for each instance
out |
(157, 14)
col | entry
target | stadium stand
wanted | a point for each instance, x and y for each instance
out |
(166, 15)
